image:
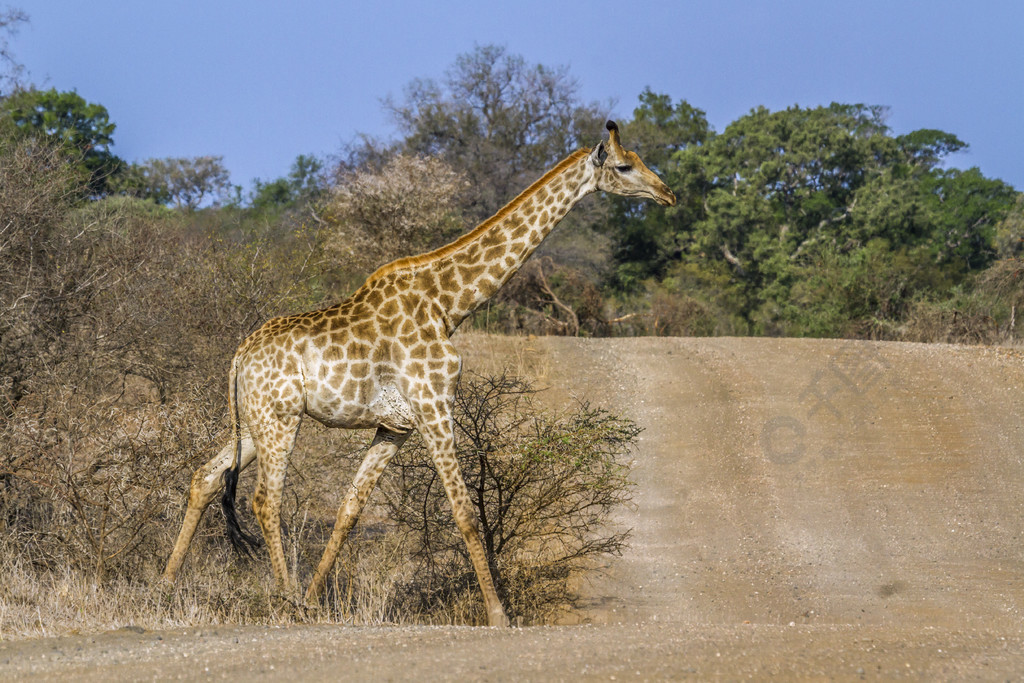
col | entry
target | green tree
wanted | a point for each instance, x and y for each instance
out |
(185, 182)
(82, 127)
(305, 182)
(801, 209)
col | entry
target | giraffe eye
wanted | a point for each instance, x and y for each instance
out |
(625, 168)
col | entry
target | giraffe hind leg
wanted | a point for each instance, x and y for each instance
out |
(274, 444)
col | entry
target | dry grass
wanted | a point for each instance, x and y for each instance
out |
(396, 567)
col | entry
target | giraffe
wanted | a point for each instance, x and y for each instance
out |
(383, 359)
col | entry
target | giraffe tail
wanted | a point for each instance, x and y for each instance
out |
(243, 541)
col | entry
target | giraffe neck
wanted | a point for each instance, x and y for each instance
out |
(465, 274)
(474, 273)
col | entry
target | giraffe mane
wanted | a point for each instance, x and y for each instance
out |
(503, 212)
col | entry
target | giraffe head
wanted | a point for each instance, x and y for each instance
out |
(621, 172)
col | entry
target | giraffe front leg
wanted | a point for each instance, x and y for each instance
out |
(439, 437)
(207, 481)
(384, 446)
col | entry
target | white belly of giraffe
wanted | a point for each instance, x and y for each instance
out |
(386, 408)
(391, 410)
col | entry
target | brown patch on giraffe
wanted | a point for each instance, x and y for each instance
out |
(432, 291)
(487, 287)
(365, 329)
(446, 280)
(425, 277)
(438, 382)
(358, 350)
(494, 253)
(471, 273)
(348, 390)
(360, 370)
(409, 304)
(411, 343)
(421, 316)
(419, 351)
(360, 310)
(428, 412)
(383, 352)
(389, 309)
(491, 238)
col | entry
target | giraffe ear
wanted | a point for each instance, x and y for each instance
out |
(599, 155)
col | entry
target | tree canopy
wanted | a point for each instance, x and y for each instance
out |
(82, 127)
(778, 198)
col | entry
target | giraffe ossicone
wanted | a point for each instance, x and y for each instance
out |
(383, 359)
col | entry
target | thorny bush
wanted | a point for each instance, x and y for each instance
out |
(545, 487)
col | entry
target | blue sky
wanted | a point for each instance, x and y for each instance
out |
(261, 82)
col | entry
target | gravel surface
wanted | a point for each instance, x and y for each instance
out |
(805, 509)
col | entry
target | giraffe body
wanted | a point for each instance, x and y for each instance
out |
(383, 359)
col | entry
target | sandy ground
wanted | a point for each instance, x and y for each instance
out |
(806, 509)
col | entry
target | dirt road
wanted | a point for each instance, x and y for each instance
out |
(805, 508)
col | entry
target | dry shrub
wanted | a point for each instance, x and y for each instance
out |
(117, 322)
(544, 487)
(38, 271)
(546, 297)
(678, 315)
(407, 207)
(963, 319)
